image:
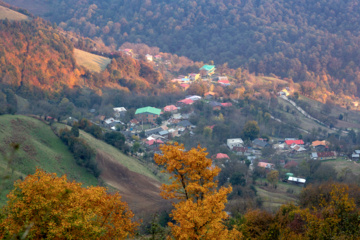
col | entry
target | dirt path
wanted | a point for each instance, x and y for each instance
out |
(140, 192)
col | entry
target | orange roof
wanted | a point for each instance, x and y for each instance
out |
(210, 93)
(221, 156)
(298, 142)
(228, 104)
(186, 101)
(170, 108)
(185, 85)
(265, 165)
(319, 143)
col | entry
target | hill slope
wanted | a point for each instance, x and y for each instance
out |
(304, 40)
(91, 61)
(138, 186)
(6, 13)
(39, 147)
(36, 60)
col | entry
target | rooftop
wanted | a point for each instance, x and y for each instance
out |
(207, 67)
(152, 110)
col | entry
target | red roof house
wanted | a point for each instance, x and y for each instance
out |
(222, 156)
(186, 101)
(185, 86)
(224, 82)
(170, 108)
(298, 142)
(228, 104)
(151, 142)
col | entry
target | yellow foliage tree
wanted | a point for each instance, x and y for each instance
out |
(200, 212)
(45, 206)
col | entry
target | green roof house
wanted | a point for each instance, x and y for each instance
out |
(147, 114)
(207, 70)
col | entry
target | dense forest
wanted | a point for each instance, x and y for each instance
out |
(32, 55)
(37, 61)
(304, 40)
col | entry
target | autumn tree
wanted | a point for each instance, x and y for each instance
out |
(251, 130)
(273, 177)
(44, 206)
(199, 213)
(332, 214)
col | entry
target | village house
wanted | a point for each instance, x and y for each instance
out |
(266, 165)
(184, 86)
(241, 151)
(292, 142)
(356, 155)
(147, 114)
(210, 95)
(119, 112)
(259, 143)
(153, 131)
(194, 97)
(157, 57)
(284, 92)
(207, 70)
(164, 134)
(99, 119)
(185, 101)
(296, 180)
(149, 57)
(194, 76)
(127, 51)
(323, 155)
(220, 78)
(220, 156)
(185, 124)
(173, 133)
(227, 104)
(297, 148)
(234, 142)
(224, 82)
(215, 105)
(170, 108)
(320, 146)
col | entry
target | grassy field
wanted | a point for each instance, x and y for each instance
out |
(341, 164)
(304, 122)
(272, 79)
(274, 198)
(128, 162)
(352, 121)
(91, 61)
(12, 15)
(38, 147)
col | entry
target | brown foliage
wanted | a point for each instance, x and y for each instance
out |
(45, 206)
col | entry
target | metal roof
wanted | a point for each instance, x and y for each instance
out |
(152, 110)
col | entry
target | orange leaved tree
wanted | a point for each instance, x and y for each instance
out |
(45, 206)
(200, 212)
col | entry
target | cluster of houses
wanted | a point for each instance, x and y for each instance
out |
(319, 151)
(207, 74)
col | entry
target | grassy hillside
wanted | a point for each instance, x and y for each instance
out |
(39, 147)
(105, 149)
(93, 62)
(11, 15)
(137, 184)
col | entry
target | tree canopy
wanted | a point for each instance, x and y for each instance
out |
(44, 206)
(200, 213)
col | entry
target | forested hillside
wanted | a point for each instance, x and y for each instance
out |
(305, 40)
(36, 60)
(33, 55)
